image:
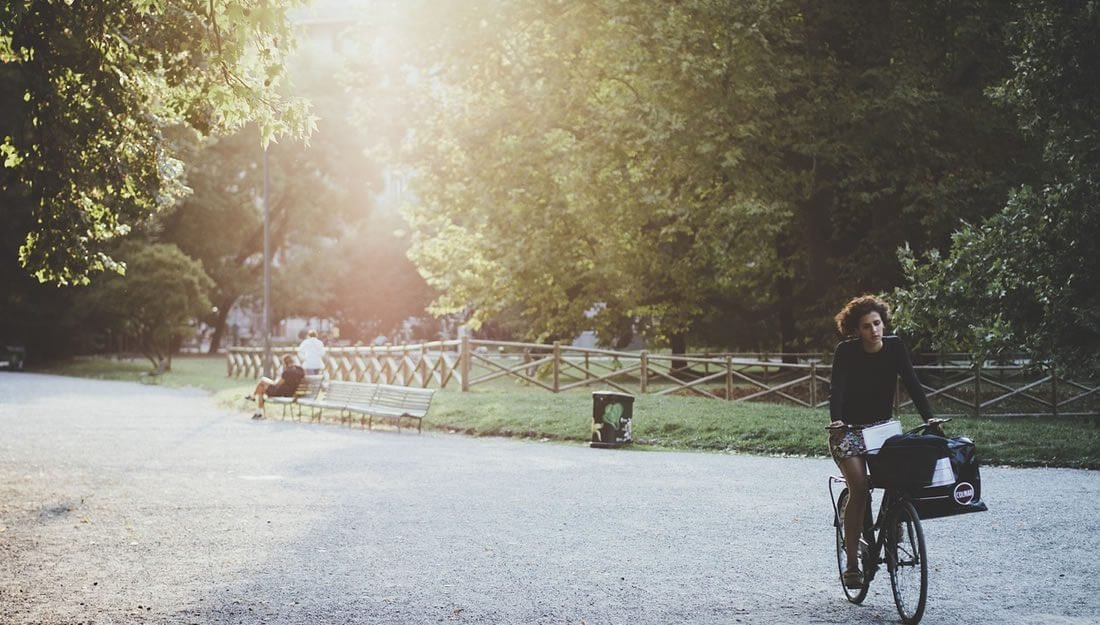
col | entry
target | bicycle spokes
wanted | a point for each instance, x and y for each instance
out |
(894, 538)
(907, 563)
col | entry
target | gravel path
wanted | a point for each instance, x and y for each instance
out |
(123, 503)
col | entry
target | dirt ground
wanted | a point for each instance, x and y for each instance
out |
(128, 503)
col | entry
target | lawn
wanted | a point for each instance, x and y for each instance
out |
(660, 422)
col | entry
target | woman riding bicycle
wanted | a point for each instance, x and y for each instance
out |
(865, 372)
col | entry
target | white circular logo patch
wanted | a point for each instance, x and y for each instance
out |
(964, 493)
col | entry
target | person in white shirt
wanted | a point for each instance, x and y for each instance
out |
(311, 352)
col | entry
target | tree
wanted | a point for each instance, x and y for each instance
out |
(883, 137)
(318, 193)
(220, 222)
(557, 176)
(690, 166)
(333, 246)
(92, 92)
(374, 287)
(155, 304)
(1028, 278)
(36, 316)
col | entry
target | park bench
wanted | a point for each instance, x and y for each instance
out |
(307, 389)
(384, 401)
(399, 402)
(339, 396)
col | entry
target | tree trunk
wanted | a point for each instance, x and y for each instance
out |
(219, 324)
(784, 291)
(150, 351)
(680, 369)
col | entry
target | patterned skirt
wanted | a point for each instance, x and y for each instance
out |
(848, 442)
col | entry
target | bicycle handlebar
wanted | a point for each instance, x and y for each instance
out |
(933, 422)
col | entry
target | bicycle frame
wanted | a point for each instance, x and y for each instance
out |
(876, 541)
(889, 496)
(901, 552)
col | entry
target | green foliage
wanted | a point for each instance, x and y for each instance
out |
(335, 254)
(887, 139)
(157, 300)
(578, 182)
(91, 93)
(220, 222)
(1026, 278)
(371, 286)
(689, 168)
(704, 424)
(203, 372)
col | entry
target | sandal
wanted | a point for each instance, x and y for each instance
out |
(853, 580)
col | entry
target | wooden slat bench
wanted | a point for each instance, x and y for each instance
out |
(400, 402)
(307, 389)
(384, 401)
(340, 396)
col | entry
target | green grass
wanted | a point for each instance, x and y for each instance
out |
(206, 372)
(710, 425)
(660, 422)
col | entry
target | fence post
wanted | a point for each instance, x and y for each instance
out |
(587, 374)
(404, 353)
(977, 388)
(375, 366)
(557, 365)
(643, 380)
(729, 377)
(813, 385)
(387, 360)
(1054, 391)
(362, 366)
(464, 362)
(423, 365)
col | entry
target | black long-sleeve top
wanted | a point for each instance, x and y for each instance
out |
(863, 383)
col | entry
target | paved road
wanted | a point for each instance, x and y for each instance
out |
(123, 503)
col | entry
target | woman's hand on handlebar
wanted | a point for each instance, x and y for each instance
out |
(932, 426)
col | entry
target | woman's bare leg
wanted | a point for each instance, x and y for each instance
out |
(855, 472)
(261, 389)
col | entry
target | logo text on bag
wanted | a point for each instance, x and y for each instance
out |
(964, 493)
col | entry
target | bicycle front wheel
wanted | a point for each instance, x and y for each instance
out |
(855, 595)
(907, 562)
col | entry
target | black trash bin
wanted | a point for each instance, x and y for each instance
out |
(612, 415)
(12, 357)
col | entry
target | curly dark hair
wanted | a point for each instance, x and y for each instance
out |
(847, 320)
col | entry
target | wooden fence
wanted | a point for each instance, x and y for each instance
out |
(954, 384)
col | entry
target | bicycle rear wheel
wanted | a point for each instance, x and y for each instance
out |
(855, 595)
(907, 562)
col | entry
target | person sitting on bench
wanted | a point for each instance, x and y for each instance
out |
(283, 387)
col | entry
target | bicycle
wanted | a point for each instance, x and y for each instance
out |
(894, 537)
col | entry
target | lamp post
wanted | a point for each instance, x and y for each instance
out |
(267, 272)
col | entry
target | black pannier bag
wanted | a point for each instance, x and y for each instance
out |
(908, 462)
